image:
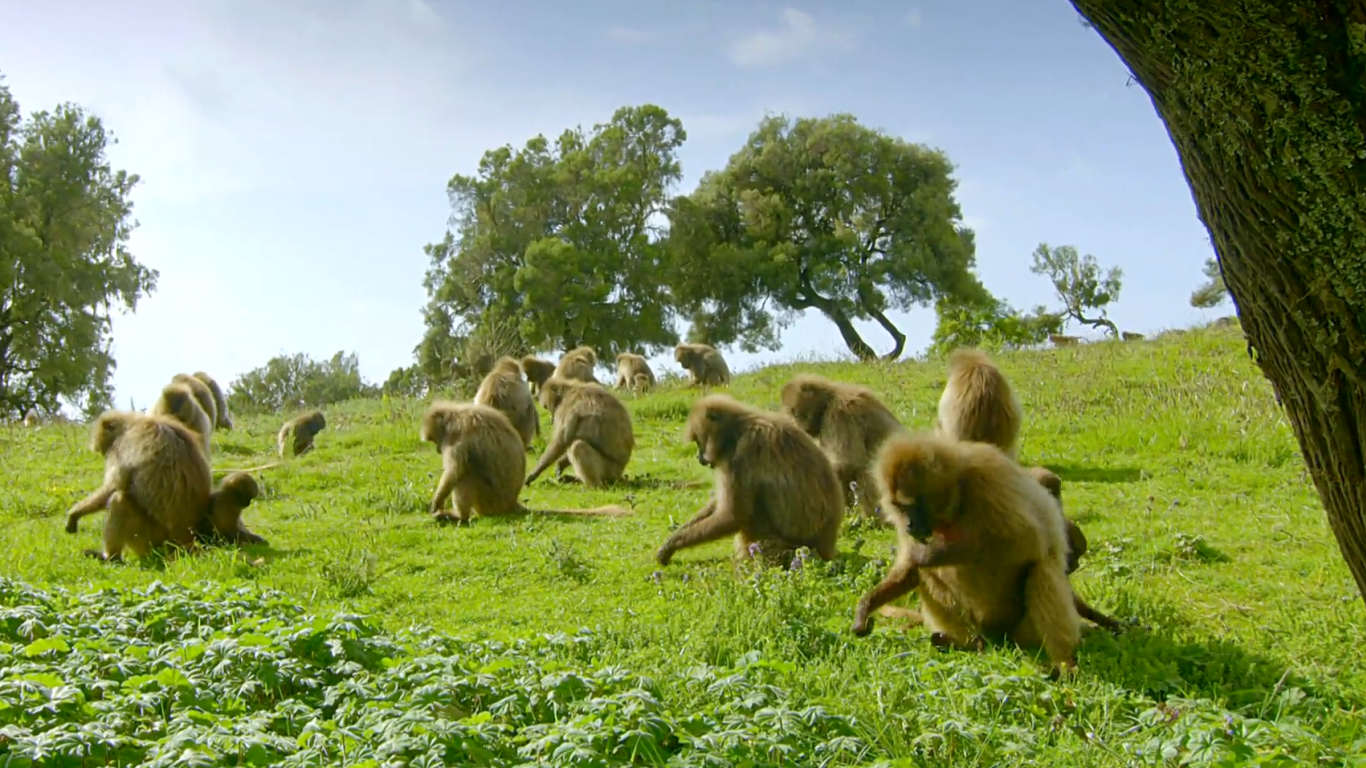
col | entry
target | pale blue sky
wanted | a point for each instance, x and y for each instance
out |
(295, 153)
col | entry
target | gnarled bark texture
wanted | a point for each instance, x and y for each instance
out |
(1265, 101)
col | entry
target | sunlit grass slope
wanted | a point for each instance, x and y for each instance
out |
(1176, 461)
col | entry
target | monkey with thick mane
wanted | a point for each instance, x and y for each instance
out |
(156, 481)
(483, 463)
(849, 422)
(296, 436)
(222, 419)
(504, 390)
(983, 543)
(592, 432)
(185, 402)
(633, 372)
(978, 403)
(537, 372)
(705, 366)
(774, 485)
(578, 364)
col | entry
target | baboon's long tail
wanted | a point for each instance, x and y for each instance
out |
(230, 470)
(611, 510)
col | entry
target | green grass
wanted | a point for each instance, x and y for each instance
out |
(1184, 473)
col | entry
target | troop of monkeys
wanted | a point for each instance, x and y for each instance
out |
(981, 539)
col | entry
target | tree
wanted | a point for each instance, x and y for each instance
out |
(558, 241)
(823, 214)
(297, 381)
(1264, 103)
(64, 228)
(1212, 293)
(1079, 285)
(992, 324)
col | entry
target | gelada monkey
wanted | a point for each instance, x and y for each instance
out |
(504, 390)
(483, 463)
(223, 419)
(634, 373)
(537, 372)
(301, 429)
(1076, 547)
(223, 518)
(850, 424)
(978, 403)
(774, 485)
(156, 482)
(578, 364)
(179, 401)
(592, 432)
(983, 543)
(705, 366)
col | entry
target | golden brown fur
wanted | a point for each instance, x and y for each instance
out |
(634, 372)
(705, 366)
(156, 481)
(222, 419)
(302, 429)
(978, 403)
(774, 485)
(983, 543)
(223, 516)
(504, 390)
(537, 371)
(592, 432)
(850, 424)
(1063, 341)
(578, 364)
(1076, 545)
(184, 402)
(484, 463)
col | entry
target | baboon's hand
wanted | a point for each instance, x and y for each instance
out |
(664, 555)
(72, 524)
(863, 622)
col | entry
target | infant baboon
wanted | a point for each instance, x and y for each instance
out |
(704, 364)
(774, 485)
(223, 517)
(156, 481)
(504, 390)
(182, 402)
(578, 364)
(634, 373)
(222, 420)
(983, 542)
(1076, 545)
(592, 432)
(303, 428)
(537, 371)
(850, 424)
(484, 463)
(978, 403)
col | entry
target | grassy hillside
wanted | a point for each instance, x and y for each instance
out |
(1176, 461)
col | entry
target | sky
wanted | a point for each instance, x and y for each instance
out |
(294, 154)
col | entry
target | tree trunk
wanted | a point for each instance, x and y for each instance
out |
(850, 334)
(898, 338)
(1265, 103)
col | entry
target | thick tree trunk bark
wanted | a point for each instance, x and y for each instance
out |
(1265, 101)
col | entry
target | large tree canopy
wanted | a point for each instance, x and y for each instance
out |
(64, 226)
(1266, 104)
(823, 214)
(558, 241)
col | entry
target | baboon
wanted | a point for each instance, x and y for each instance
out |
(982, 541)
(1076, 545)
(484, 463)
(223, 516)
(850, 424)
(31, 418)
(182, 402)
(705, 366)
(222, 420)
(773, 484)
(978, 403)
(578, 364)
(634, 373)
(202, 395)
(537, 371)
(156, 481)
(1063, 341)
(303, 428)
(1131, 336)
(592, 432)
(504, 390)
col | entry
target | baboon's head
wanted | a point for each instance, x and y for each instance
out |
(805, 398)
(685, 355)
(108, 428)
(439, 422)
(553, 392)
(317, 421)
(715, 424)
(181, 404)
(508, 364)
(1051, 482)
(238, 489)
(922, 481)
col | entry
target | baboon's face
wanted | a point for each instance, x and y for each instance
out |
(924, 488)
(805, 403)
(712, 430)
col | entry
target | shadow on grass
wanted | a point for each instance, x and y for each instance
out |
(1073, 473)
(237, 450)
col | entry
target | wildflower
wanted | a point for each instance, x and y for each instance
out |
(755, 548)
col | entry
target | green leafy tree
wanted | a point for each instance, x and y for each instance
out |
(1270, 136)
(991, 324)
(1213, 292)
(64, 261)
(405, 382)
(297, 381)
(1083, 290)
(823, 214)
(557, 241)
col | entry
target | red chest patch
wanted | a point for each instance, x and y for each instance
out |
(949, 532)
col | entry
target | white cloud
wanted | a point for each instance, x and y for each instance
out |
(630, 35)
(796, 35)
